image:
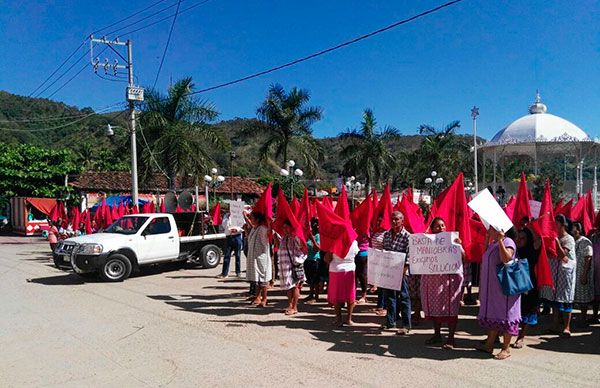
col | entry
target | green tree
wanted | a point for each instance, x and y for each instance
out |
(442, 151)
(367, 153)
(27, 170)
(285, 121)
(176, 137)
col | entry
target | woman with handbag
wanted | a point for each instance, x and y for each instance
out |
(292, 254)
(440, 296)
(499, 314)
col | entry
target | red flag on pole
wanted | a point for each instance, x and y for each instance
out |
(384, 210)
(361, 217)
(88, 222)
(522, 208)
(341, 208)
(413, 222)
(75, 218)
(545, 226)
(285, 213)
(294, 205)
(215, 214)
(337, 234)
(374, 206)
(452, 208)
(305, 213)
(542, 269)
(264, 204)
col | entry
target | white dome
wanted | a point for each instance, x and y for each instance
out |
(539, 126)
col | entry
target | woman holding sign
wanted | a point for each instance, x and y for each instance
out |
(499, 314)
(440, 296)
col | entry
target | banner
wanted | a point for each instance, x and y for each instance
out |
(490, 212)
(236, 213)
(386, 268)
(434, 254)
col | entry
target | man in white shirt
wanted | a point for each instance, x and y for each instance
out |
(233, 235)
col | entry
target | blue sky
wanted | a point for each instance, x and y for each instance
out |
(494, 54)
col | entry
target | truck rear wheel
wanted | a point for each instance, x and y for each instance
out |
(210, 256)
(116, 269)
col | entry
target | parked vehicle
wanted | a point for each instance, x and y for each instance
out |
(137, 240)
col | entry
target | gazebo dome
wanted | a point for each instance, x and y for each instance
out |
(539, 126)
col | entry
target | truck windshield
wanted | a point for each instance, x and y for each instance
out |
(126, 225)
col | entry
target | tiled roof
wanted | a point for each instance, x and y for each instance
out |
(121, 182)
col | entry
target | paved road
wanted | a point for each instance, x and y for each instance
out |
(185, 328)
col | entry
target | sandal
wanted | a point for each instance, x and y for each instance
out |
(381, 313)
(403, 331)
(291, 312)
(518, 344)
(566, 334)
(448, 346)
(503, 355)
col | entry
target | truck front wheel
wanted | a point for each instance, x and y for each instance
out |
(116, 269)
(210, 256)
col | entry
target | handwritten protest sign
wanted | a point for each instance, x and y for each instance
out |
(386, 268)
(535, 207)
(434, 254)
(236, 213)
(490, 212)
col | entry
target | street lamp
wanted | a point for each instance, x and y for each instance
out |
(213, 181)
(433, 182)
(474, 114)
(289, 176)
(232, 157)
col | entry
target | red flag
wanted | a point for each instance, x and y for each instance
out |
(163, 208)
(294, 205)
(106, 214)
(361, 217)
(264, 204)
(452, 208)
(546, 220)
(305, 213)
(478, 233)
(121, 209)
(384, 210)
(558, 206)
(285, 213)
(522, 208)
(542, 269)
(75, 218)
(413, 222)
(374, 206)
(341, 208)
(54, 212)
(509, 209)
(215, 214)
(327, 202)
(88, 222)
(114, 212)
(590, 211)
(566, 210)
(337, 234)
(580, 213)
(135, 209)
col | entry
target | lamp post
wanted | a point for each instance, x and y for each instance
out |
(433, 182)
(232, 157)
(213, 181)
(289, 176)
(353, 185)
(474, 114)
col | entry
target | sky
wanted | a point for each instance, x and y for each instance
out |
(493, 54)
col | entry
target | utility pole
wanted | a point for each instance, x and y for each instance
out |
(474, 114)
(132, 93)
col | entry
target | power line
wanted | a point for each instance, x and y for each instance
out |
(145, 18)
(55, 118)
(128, 17)
(62, 125)
(330, 49)
(63, 73)
(166, 18)
(58, 68)
(116, 79)
(85, 65)
(162, 60)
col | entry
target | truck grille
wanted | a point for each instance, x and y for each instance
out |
(66, 248)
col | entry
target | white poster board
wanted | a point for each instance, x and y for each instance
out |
(490, 212)
(236, 213)
(535, 207)
(386, 268)
(434, 254)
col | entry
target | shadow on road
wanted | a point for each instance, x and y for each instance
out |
(69, 279)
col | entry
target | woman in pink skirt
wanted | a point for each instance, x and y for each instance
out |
(440, 297)
(342, 285)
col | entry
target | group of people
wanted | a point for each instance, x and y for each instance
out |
(297, 263)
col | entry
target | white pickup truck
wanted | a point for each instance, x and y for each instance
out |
(141, 239)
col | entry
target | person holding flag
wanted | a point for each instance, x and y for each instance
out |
(259, 268)
(292, 254)
(233, 236)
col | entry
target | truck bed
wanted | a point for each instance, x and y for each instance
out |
(206, 237)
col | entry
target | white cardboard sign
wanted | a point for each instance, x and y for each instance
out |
(236, 213)
(434, 254)
(386, 268)
(490, 212)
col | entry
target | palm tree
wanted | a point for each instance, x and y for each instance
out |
(176, 136)
(367, 153)
(443, 151)
(285, 121)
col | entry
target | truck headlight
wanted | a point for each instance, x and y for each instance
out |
(90, 249)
